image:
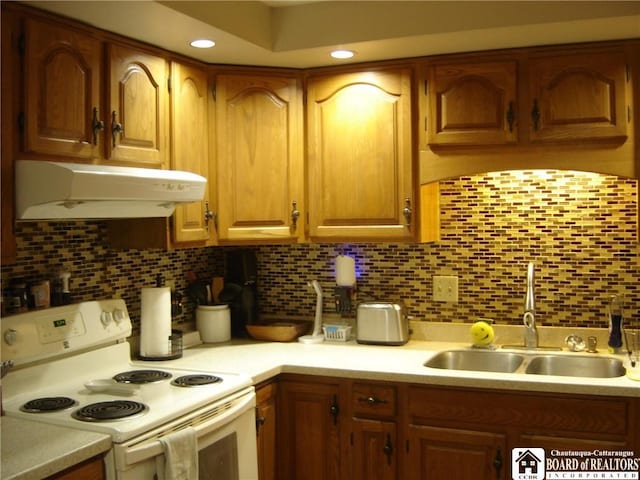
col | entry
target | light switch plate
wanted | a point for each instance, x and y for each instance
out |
(445, 288)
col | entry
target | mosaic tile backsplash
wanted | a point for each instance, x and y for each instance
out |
(579, 229)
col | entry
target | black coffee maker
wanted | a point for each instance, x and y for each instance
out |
(241, 290)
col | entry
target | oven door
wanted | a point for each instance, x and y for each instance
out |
(226, 438)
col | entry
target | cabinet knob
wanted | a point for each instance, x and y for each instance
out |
(406, 211)
(98, 126)
(295, 214)
(371, 400)
(535, 114)
(209, 215)
(116, 127)
(388, 449)
(511, 116)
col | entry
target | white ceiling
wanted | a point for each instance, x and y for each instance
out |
(302, 33)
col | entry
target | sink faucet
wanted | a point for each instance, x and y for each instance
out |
(529, 318)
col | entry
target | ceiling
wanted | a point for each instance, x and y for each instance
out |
(301, 34)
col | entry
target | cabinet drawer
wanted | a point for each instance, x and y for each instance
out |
(370, 400)
(533, 413)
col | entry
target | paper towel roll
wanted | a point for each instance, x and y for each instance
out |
(345, 271)
(155, 321)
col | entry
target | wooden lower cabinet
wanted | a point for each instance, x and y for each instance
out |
(444, 453)
(309, 429)
(92, 469)
(266, 421)
(331, 428)
(374, 446)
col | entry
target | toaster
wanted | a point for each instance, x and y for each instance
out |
(381, 324)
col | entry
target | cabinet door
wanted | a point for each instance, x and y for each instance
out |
(308, 439)
(374, 449)
(259, 158)
(445, 453)
(138, 104)
(190, 146)
(578, 97)
(62, 92)
(472, 103)
(266, 417)
(360, 161)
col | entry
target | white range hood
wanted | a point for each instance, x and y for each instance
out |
(52, 190)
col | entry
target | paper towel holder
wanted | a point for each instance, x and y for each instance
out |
(175, 348)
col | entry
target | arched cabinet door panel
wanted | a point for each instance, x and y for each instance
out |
(578, 97)
(260, 182)
(360, 165)
(472, 103)
(62, 82)
(137, 123)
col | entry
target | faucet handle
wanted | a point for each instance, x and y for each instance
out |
(575, 343)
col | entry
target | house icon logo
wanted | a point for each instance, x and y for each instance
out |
(527, 464)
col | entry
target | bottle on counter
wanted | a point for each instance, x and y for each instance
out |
(615, 323)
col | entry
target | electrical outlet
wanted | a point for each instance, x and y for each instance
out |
(445, 288)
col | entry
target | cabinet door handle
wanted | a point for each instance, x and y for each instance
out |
(388, 449)
(116, 128)
(406, 211)
(497, 463)
(535, 115)
(334, 410)
(371, 400)
(295, 214)
(209, 215)
(98, 126)
(260, 420)
(511, 116)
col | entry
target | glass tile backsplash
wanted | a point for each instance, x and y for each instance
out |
(579, 229)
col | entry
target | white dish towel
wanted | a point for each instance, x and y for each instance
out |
(180, 460)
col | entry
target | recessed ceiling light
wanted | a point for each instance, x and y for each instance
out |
(342, 54)
(203, 43)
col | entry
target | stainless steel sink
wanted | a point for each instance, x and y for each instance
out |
(578, 366)
(476, 360)
(509, 362)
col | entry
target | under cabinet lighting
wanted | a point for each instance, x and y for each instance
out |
(342, 54)
(202, 43)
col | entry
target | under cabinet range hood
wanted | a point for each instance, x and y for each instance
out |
(53, 190)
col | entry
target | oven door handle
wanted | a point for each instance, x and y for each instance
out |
(204, 422)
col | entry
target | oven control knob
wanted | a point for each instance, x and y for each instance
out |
(118, 315)
(106, 318)
(10, 336)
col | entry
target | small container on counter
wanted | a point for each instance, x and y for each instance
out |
(40, 294)
(214, 323)
(16, 298)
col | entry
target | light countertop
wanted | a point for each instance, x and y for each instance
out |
(34, 450)
(263, 360)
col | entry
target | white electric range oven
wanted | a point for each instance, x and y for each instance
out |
(72, 367)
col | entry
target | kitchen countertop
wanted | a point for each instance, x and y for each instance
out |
(264, 360)
(34, 450)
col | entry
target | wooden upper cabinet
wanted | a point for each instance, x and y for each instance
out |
(472, 103)
(578, 97)
(138, 108)
(63, 74)
(259, 159)
(360, 165)
(190, 147)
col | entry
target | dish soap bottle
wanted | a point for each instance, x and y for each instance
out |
(615, 323)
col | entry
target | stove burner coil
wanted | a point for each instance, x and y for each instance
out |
(195, 380)
(142, 376)
(48, 404)
(107, 411)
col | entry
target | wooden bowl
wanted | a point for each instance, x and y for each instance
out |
(278, 331)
